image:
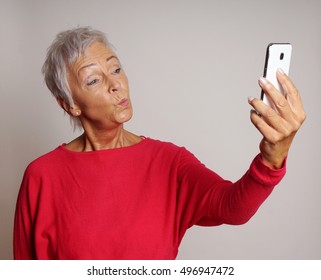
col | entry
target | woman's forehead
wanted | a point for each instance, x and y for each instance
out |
(94, 53)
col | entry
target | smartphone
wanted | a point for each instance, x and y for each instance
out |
(278, 55)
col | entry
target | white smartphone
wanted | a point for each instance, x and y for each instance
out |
(278, 55)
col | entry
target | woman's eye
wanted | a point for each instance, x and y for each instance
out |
(92, 82)
(117, 71)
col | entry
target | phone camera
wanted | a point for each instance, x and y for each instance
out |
(281, 56)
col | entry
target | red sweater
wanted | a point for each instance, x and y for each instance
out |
(127, 203)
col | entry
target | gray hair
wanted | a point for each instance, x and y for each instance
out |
(67, 47)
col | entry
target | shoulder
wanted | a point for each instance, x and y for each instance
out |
(39, 171)
(169, 149)
(160, 143)
(160, 146)
(44, 162)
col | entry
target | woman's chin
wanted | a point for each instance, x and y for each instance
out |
(124, 116)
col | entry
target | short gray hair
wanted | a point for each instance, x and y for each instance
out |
(67, 47)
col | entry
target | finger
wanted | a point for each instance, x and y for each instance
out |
(268, 132)
(271, 117)
(292, 95)
(278, 99)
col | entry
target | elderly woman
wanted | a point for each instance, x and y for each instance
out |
(111, 194)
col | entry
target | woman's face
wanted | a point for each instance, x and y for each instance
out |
(99, 88)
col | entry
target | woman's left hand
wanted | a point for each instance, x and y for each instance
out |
(278, 127)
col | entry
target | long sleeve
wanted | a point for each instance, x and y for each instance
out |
(207, 199)
(23, 223)
(236, 203)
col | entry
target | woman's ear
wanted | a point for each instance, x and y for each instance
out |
(63, 104)
(74, 112)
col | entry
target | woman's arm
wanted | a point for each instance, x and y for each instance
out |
(204, 198)
(23, 247)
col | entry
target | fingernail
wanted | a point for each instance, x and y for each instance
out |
(263, 81)
(280, 70)
(250, 99)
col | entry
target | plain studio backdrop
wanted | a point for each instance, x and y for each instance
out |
(191, 66)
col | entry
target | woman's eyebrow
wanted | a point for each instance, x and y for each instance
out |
(93, 64)
(110, 57)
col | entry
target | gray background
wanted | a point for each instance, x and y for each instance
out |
(191, 66)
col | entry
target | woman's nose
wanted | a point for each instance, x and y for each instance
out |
(114, 86)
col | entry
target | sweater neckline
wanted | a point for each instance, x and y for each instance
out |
(134, 146)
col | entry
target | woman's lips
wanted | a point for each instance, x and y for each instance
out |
(123, 103)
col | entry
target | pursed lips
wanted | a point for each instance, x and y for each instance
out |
(123, 102)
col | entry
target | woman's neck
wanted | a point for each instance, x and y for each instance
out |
(103, 140)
